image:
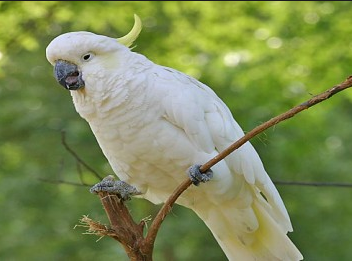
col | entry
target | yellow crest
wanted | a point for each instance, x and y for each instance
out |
(129, 38)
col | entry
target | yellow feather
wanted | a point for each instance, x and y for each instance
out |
(129, 38)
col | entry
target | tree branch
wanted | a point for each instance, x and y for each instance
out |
(126, 230)
(139, 248)
(286, 115)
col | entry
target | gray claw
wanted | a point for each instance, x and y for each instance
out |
(118, 187)
(196, 176)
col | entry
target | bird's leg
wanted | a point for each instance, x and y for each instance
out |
(118, 187)
(196, 176)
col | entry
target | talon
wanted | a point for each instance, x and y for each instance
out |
(118, 187)
(196, 176)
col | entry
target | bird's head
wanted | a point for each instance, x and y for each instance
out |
(73, 54)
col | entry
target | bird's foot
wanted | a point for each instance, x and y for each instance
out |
(196, 176)
(118, 187)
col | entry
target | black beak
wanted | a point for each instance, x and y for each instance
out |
(68, 75)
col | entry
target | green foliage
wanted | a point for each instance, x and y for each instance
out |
(260, 57)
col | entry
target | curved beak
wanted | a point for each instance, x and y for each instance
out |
(68, 75)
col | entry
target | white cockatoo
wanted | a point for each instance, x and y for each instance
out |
(153, 122)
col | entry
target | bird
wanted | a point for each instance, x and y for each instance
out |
(154, 124)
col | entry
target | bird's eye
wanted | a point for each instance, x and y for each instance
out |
(87, 57)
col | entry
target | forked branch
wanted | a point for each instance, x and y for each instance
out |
(142, 248)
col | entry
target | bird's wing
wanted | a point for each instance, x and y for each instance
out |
(208, 123)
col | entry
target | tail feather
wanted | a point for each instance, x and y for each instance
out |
(249, 234)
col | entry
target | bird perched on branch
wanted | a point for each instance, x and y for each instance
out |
(153, 123)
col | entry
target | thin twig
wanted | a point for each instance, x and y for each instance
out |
(59, 181)
(74, 154)
(277, 182)
(314, 184)
(284, 116)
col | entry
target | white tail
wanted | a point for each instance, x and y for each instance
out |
(249, 234)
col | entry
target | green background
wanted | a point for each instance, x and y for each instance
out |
(261, 58)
